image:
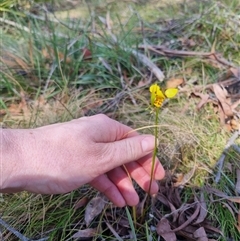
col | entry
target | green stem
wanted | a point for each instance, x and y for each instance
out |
(155, 148)
(134, 211)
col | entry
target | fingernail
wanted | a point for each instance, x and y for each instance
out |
(148, 143)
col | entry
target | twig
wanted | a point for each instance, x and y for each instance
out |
(14, 231)
(171, 52)
(65, 107)
(42, 18)
(41, 239)
(181, 53)
(18, 234)
(142, 58)
(237, 185)
(26, 29)
(125, 86)
(236, 148)
(178, 26)
(145, 60)
(220, 161)
(219, 165)
(53, 68)
(224, 83)
(11, 23)
(109, 106)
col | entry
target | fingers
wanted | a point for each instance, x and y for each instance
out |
(115, 141)
(104, 185)
(117, 187)
(140, 171)
(115, 145)
(146, 163)
(124, 184)
(127, 150)
(142, 177)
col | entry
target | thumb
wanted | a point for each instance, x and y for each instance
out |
(129, 149)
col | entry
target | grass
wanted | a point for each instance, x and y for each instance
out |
(220, 209)
(49, 79)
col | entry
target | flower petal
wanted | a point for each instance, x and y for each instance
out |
(154, 88)
(171, 92)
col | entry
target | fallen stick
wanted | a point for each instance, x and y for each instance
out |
(142, 58)
(162, 50)
(18, 234)
(145, 60)
(14, 231)
(220, 161)
(26, 29)
(236, 148)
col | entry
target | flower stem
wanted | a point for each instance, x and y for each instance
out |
(155, 149)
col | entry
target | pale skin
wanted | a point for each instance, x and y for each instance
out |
(59, 158)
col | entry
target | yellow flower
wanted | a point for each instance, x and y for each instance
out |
(157, 96)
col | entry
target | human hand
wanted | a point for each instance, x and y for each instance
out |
(61, 157)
